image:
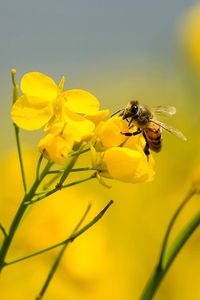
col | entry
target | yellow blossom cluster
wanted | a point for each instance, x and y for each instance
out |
(120, 157)
(65, 115)
(72, 117)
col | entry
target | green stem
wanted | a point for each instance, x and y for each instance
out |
(79, 152)
(51, 181)
(20, 212)
(181, 239)
(38, 166)
(3, 230)
(73, 170)
(169, 229)
(65, 172)
(15, 97)
(59, 257)
(20, 157)
(49, 193)
(152, 284)
(68, 169)
(15, 86)
(159, 273)
(82, 169)
(52, 272)
(68, 240)
(167, 256)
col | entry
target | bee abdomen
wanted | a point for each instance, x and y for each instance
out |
(154, 139)
(155, 145)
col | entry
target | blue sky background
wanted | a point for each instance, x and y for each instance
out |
(103, 46)
(73, 37)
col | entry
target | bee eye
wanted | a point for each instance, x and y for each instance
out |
(134, 109)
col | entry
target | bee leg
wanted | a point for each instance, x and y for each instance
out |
(132, 133)
(130, 122)
(146, 147)
(146, 150)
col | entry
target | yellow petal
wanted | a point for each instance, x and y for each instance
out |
(127, 165)
(109, 132)
(93, 156)
(99, 116)
(61, 83)
(55, 127)
(145, 172)
(81, 101)
(135, 142)
(29, 118)
(55, 147)
(39, 85)
(80, 128)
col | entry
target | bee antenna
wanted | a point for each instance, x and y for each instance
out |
(120, 110)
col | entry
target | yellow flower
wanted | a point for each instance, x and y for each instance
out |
(44, 102)
(109, 132)
(69, 116)
(62, 137)
(98, 117)
(128, 165)
(120, 157)
(55, 147)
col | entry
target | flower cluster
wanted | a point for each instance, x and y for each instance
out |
(68, 117)
(120, 157)
(72, 117)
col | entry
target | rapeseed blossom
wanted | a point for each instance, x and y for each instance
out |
(72, 118)
(120, 157)
(65, 115)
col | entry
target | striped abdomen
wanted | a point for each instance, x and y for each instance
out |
(153, 137)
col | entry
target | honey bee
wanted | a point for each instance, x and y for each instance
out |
(144, 118)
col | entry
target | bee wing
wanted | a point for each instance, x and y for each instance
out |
(164, 110)
(170, 129)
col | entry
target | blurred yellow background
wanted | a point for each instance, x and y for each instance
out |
(118, 51)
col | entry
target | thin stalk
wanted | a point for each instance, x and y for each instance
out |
(169, 229)
(181, 239)
(73, 170)
(59, 257)
(159, 273)
(20, 157)
(68, 240)
(39, 166)
(79, 152)
(20, 213)
(3, 230)
(52, 272)
(51, 192)
(82, 169)
(51, 181)
(167, 256)
(65, 172)
(15, 97)
(56, 172)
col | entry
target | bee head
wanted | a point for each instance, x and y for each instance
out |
(131, 110)
(133, 107)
